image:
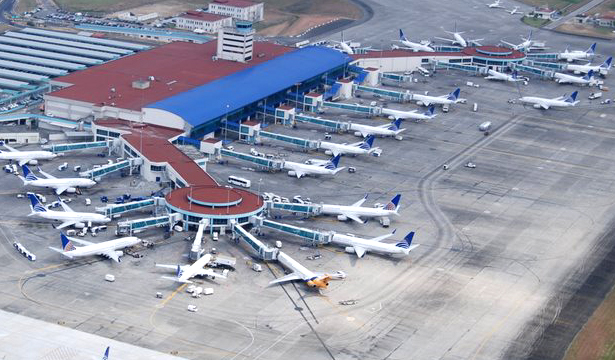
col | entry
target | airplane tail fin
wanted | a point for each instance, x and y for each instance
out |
(572, 98)
(393, 204)
(406, 243)
(67, 245)
(106, 355)
(430, 111)
(607, 63)
(395, 124)
(29, 176)
(332, 164)
(592, 49)
(401, 35)
(367, 143)
(179, 271)
(515, 74)
(36, 205)
(454, 95)
(589, 75)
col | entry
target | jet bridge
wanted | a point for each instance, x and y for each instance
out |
(533, 70)
(363, 109)
(331, 124)
(117, 209)
(197, 244)
(305, 143)
(264, 252)
(135, 226)
(308, 209)
(110, 168)
(269, 164)
(397, 77)
(78, 146)
(396, 95)
(544, 64)
(542, 56)
(462, 67)
(313, 237)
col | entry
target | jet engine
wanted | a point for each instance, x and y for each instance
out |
(328, 152)
(349, 249)
(33, 162)
(342, 217)
(71, 190)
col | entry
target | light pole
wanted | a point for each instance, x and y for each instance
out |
(259, 191)
(226, 123)
(228, 198)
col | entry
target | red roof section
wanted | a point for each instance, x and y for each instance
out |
(202, 16)
(313, 94)
(177, 67)
(249, 202)
(285, 107)
(235, 3)
(250, 123)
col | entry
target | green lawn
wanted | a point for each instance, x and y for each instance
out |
(532, 21)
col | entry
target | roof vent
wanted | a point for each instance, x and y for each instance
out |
(260, 55)
(140, 84)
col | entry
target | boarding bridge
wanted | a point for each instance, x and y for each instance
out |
(264, 252)
(111, 168)
(308, 209)
(313, 237)
(69, 124)
(332, 92)
(56, 148)
(363, 109)
(533, 70)
(305, 143)
(447, 48)
(542, 56)
(197, 244)
(118, 209)
(355, 69)
(455, 66)
(544, 64)
(396, 95)
(136, 226)
(361, 77)
(331, 124)
(270, 164)
(396, 77)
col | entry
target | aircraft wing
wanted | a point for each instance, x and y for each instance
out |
(23, 162)
(359, 251)
(48, 176)
(111, 254)
(65, 207)
(61, 189)
(355, 218)
(382, 237)
(208, 272)
(299, 173)
(507, 43)
(543, 105)
(445, 39)
(360, 202)
(286, 278)
(81, 242)
(65, 224)
(10, 148)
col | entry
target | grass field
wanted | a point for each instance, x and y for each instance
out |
(532, 21)
(568, 5)
(596, 341)
(24, 5)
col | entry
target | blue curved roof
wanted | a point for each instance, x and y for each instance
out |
(209, 101)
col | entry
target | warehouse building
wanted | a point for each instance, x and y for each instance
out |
(202, 21)
(238, 9)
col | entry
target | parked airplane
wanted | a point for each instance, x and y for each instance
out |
(25, 157)
(497, 4)
(526, 45)
(360, 246)
(588, 79)
(327, 168)
(412, 45)
(69, 185)
(583, 69)
(301, 273)
(356, 210)
(571, 56)
(515, 10)
(495, 75)
(458, 39)
(109, 249)
(546, 103)
(106, 356)
(391, 129)
(364, 147)
(184, 273)
(344, 46)
(414, 114)
(68, 216)
(451, 98)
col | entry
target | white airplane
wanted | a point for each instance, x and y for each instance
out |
(391, 129)
(495, 75)
(109, 249)
(573, 55)
(360, 246)
(497, 4)
(588, 79)
(526, 45)
(301, 273)
(356, 210)
(412, 45)
(364, 147)
(69, 185)
(451, 98)
(515, 10)
(546, 103)
(458, 39)
(326, 168)
(184, 273)
(414, 114)
(25, 157)
(68, 216)
(344, 46)
(583, 69)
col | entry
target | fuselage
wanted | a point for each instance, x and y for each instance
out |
(56, 183)
(309, 277)
(355, 210)
(26, 155)
(368, 245)
(583, 68)
(398, 114)
(426, 99)
(374, 130)
(417, 46)
(460, 40)
(73, 216)
(343, 149)
(308, 169)
(494, 75)
(96, 249)
(546, 102)
(570, 79)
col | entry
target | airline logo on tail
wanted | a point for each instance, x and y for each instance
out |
(589, 75)
(572, 98)
(367, 143)
(67, 245)
(401, 35)
(607, 63)
(179, 272)
(430, 111)
(515, 74)
(395, 125)
(106, 356)
(29, 176)
(332, 164)
(407, 241)
(592, 49)
(454, 95)
(393, 204)
(36, 205)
